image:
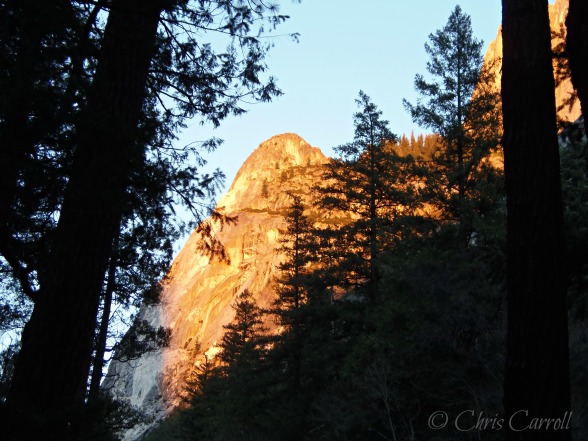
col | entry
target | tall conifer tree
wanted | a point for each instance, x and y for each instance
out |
(298, 246)
(241, 343)
(374, 184)
(458, 103)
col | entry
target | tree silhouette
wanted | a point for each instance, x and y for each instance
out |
(299, 246)
(122, 126)
(459, 104)
(537, 334)
(372, 183)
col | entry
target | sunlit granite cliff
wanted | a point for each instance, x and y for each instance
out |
(198, 292)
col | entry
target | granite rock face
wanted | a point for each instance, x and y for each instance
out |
(198, 291)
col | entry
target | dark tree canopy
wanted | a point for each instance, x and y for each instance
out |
(90, 162)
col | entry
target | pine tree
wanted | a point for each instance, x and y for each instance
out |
(36, 113)
(292, 306)
(420, 143)
(303, 309)
(240, 397)
(241, 343)
(299, 247)
(226, 392)
(458, 104)
(373, 183)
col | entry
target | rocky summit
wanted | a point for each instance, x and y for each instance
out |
(199, 290)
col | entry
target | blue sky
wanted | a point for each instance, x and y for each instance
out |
(345, 46)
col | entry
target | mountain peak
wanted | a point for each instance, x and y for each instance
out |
(264, 178)
(284, 150)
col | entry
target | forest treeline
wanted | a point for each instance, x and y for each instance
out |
(456, 286)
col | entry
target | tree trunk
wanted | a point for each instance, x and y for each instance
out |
(100, 350)
(577, 48)
(536, 380)
(50, 377)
